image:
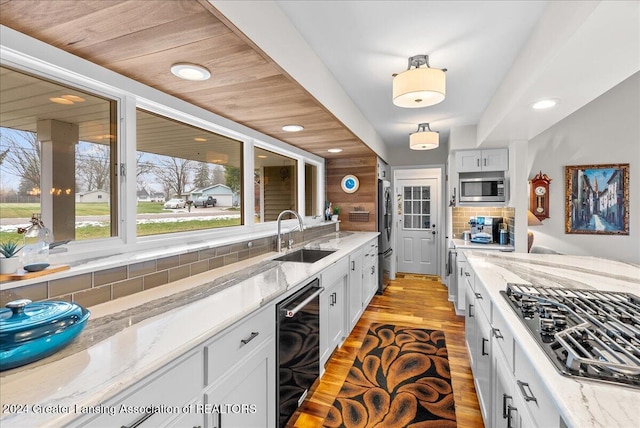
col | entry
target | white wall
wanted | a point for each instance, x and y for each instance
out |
(607, 130)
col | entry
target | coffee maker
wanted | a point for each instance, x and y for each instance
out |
(485, 230)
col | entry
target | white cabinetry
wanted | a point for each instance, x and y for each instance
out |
(509, 391)
(245, 396)
(482, 160)
(240, 370)
(333, 308)
(369, 272)
(355, 288)
(465, 280)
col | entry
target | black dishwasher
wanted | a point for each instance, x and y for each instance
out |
(298, 355)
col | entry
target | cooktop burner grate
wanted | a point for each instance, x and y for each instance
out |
(587, 333)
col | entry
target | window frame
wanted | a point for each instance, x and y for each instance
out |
(34, 57)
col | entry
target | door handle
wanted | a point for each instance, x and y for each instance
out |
(290, 313)
(483, 342)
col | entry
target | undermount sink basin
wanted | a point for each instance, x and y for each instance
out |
(305, 255)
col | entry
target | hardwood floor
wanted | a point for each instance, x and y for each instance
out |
(411, 300)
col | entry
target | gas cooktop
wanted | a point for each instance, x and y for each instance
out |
(586, 333)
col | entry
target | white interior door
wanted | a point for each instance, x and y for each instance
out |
(417, 225)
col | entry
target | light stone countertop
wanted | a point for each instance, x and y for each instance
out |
(581, 403)
(461, 244)
(129, 338)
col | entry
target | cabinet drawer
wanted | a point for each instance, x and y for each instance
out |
(334, 272)
(172, 386)
(370, 252)
(503, 338)
(226, 350)
(483, 301)
(536, 398)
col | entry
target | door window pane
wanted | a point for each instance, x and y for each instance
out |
(187, 178)
(58, 149)
(417, 207)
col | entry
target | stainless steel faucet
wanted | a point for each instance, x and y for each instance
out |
(279, 237)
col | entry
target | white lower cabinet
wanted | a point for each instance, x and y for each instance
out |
(245, 396)
(156, 400)
(369, 272)
(509, 392)
(333, 307)
(355, 288)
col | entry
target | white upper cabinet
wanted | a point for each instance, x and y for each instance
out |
(482, 160)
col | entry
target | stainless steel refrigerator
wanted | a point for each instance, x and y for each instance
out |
(384, 239)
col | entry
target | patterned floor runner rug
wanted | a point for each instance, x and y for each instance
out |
(400, 378)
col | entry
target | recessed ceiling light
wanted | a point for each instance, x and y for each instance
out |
(292, 128)
(187, 71)
(543, 104)
(262, 156)
(73, 98)
(200, 139)
(334, 150)
(59, 100)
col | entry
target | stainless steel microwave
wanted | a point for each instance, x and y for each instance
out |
(483, 189)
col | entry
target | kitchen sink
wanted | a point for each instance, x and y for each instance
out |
(305, 255)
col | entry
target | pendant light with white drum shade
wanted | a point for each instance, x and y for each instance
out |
(424, 138)
(420, 86)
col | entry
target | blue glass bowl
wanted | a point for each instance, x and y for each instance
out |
(32, 331)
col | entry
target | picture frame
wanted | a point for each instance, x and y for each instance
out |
(597, 199)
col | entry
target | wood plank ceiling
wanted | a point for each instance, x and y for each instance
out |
(141, 39)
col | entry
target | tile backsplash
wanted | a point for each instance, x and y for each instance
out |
(461, 218)
(89, 289)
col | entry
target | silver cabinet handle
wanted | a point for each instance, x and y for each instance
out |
(467, 274)
(483, 342)
(470, 313)
(509, 410)
(254, 334)
(527, 395)
(290, 313)
(478, 162)
(505, 398)
(485, 161)
(141, 419)
(478, 296)
(497, 334)
(353, 265)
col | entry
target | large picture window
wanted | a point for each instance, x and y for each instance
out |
(57, 158)
(187, 178)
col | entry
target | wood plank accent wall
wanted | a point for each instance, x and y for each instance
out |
(366, 196)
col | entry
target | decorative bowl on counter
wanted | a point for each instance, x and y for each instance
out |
(31, 331)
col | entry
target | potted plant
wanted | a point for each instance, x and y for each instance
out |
(10, 263)
(336, 213)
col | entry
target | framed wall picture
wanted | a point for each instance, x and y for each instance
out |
(597, 199)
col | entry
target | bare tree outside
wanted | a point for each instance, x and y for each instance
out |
(217, 176)
(202, 178)
(93, 163)
(22, 156)
(174, 174)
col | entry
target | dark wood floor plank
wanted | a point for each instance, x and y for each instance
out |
(410, 300)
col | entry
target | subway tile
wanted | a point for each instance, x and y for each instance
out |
(230, 258)
(257, 251)
(207, 253)
(142, 268)
(216, 262)
(244, 254)
(168, 262)
(69, 285)
(107, 276)
(33, 292)
(179, 273)
(63, 298)
(238, 247)
(199, 267)
(221, 251)
(155, 279)
(93, 296)
(125, 288)
(188, 258)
